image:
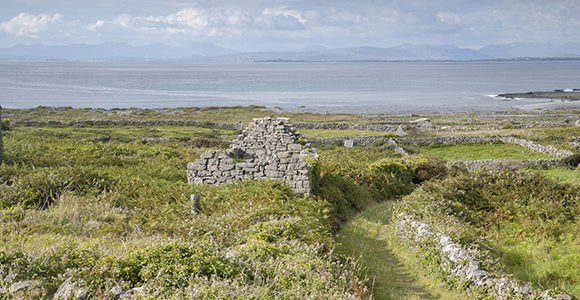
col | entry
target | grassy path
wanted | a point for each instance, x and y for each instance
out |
(393, 273)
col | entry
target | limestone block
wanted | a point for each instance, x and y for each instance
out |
(226, 167)
(229, 161)
(197, 165)
(222, 154)
(348, 143)
(208, 154)
(302, 177)
(274, 174)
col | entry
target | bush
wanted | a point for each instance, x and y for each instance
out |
(572, 160)
(203, 142)
(428, 170)
(6, 125)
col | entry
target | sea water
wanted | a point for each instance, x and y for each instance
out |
(365, 87)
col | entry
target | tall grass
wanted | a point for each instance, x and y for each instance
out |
(116, 213)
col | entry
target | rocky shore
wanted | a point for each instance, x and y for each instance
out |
(573, 96)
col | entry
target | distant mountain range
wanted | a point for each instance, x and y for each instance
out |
(209, 53)
(112, 51)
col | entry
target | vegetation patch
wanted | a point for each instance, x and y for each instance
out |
(116, 213)
(561, 174)
(529, 222)
(477, 151)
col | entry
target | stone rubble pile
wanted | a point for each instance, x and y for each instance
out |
(457, 261)
(267, 148)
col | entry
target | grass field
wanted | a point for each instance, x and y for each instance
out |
(563, 174)
(526, 221)
(108, 206)
(116, 213)
(474, 151)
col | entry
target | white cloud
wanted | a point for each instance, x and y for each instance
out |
(448, 18)
(261, 22)
(184, 21)
(27, 25)
(283, 11)
(280, 18)
(96, 25)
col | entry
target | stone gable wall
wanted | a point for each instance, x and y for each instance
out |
(267, 148)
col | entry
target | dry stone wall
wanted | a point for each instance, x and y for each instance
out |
(267, 148)
(374, 126)
(536, 147)
(368, 140)
(502, 164)
(81, 123)
(391, 126)
(457, 261)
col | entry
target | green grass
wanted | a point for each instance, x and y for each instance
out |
(563, 174)
(528, 222)
(116, 212)
(341, 133)
(109, 205)
(388, 268)
(133, 132)
(547, 262)
(557, 136)
(475, 151)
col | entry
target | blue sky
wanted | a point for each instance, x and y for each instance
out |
(276, 25)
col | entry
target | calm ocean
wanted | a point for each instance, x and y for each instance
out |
(334, 87)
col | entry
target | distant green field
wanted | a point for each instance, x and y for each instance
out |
(563, 174)
(474, 151)
(338, 133)
(132, 132)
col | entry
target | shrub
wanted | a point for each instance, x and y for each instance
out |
(572, 160)
(203, 143)
(6, 125)
(428, 170)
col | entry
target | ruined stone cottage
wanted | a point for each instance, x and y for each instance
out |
(267, 148)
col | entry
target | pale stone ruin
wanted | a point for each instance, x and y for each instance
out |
(267, 148)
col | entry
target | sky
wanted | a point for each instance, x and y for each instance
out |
(291, 24)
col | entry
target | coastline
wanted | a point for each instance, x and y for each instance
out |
(570, 96)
